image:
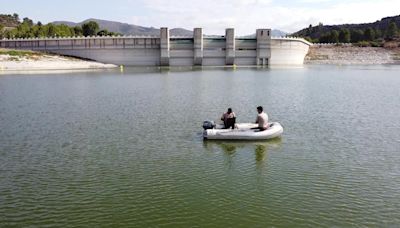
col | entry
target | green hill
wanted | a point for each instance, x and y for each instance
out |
(386, 28)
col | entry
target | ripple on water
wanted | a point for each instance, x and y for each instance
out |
(127, 150)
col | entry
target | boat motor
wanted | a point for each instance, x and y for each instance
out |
(208, 124)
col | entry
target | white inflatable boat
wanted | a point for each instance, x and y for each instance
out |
(242, 131)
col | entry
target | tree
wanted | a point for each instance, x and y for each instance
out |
(78, 31)
(1, 32)
(15, 16)
(22, 30)
(90, 28)
(309, 29)
(356, 35)
(378, 33)
(63, 30)
(103, 32)
(369, 34)
(330, 37)
(392, 30)
(71, 31)
(324, 38)
(39, 23)
(51, 32)
(42, 31)
(334, 36)
(320, 26)
(11, 33)
(27, 21)
(344, 36)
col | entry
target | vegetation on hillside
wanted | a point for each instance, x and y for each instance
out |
(19, 53)
(372, 34)
(28, 29)
(8, 20)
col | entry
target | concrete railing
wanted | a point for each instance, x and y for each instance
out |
(77, 37)
(294, 39)
(332, 44)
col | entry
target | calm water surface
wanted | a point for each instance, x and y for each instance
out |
(125, 149)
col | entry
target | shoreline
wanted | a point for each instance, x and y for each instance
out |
(351, 55)
(16, 61)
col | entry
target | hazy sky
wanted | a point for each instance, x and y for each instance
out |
(213, 15)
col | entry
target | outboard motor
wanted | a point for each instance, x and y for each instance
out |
(208, 124)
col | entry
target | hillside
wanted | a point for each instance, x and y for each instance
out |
(379, 27)
(128, 29)
(7, 20)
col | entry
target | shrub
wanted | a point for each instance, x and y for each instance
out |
(363, 44)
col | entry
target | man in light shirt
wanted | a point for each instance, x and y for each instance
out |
(262, 119)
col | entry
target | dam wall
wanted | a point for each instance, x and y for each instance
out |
(288, 51)
(164, 50)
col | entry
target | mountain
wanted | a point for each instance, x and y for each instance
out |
(179, 32)
(274, 33)
(315, 32)
(278, 33)
(128, 29)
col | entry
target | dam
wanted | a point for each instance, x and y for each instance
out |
(165, 50)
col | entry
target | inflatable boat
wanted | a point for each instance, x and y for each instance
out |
(242, 131)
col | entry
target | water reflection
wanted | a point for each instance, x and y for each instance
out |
(260, 152)
(230, 148)
(180, 69)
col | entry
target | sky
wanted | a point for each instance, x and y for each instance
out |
(212, 15)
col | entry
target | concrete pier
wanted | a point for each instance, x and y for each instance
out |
(230, 46)
(198, 46)
(164, 47)
(163, 50)
(263, 37)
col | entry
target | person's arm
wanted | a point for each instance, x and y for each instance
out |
(257, 119)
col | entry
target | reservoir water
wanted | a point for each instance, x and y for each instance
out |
(112, 149)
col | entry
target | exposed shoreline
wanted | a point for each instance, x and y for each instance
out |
(12, 61)
(351, 55)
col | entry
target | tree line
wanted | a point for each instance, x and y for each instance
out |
(28, 29)
(369, 36)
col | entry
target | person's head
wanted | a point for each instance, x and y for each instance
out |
(259, 109)
(229, 110)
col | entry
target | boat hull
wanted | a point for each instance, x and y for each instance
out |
(244, 133)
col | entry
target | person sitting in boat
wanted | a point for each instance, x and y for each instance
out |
(229, 119)
(262, 119)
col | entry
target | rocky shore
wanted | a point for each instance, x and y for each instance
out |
(15, 61)
(351, 55)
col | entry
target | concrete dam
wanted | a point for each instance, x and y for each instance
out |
(164, 50)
